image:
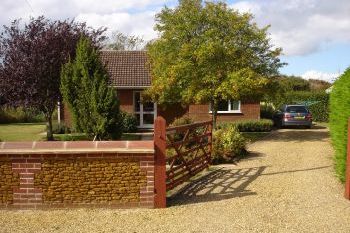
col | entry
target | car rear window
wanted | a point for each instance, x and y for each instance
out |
(296, 109)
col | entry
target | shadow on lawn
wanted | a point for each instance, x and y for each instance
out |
(220, 184)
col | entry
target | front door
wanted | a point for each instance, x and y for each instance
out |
(145, 112)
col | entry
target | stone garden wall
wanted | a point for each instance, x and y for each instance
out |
(77, 174)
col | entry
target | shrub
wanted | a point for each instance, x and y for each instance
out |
(129, 122)
(339, 115)
(60, 128)
(20, 115)
(228, 144)
(267, 111)
(263, 125)
(184, 120)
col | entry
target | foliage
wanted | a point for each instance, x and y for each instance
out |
(228, 144)
(339, 115)
(208, 52)
(293, 83)
(129, 122)
(94, 105)
(119, 41)
(20, 115)
(267, 111)
(319, 85)
(263, 125)
(60, 128)
(31, 58)
(184, 120)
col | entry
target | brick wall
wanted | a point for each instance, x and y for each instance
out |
(126, 98)
(249, 110)
(77, 174)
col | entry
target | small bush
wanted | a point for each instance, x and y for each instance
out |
(339, 115)
(60, 128)
(20, 115)
(267, 111)
(129, 122)
(184, 120)
(228, 144)
(264, 125)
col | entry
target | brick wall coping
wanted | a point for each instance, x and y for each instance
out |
(76, 147)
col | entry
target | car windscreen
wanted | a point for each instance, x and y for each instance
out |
(296, 109)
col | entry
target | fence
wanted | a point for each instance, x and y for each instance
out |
(181, 153)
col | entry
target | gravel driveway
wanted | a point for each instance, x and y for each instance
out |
(286, 185)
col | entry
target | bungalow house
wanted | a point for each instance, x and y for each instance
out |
(130, 75)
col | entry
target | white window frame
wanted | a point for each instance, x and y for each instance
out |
(229, 108)
(141, 112)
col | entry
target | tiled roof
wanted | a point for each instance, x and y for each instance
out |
(127, 68)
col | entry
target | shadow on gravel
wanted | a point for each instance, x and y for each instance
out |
(218, 185)
(297, 135)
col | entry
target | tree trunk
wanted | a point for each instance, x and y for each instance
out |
(49, 134)
(214, 110)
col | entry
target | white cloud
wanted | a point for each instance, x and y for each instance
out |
(134, 17)
(302, 26)
(140, 24)
(313, 74)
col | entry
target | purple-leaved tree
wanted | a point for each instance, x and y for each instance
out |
(31, 57)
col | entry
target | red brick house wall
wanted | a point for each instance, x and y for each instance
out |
(126, 100)
(249, 110)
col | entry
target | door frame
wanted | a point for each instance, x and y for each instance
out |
(141, 112)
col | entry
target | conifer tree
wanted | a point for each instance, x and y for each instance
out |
(84, 86)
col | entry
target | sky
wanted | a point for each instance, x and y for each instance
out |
(314, 34)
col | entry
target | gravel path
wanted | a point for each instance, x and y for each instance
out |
(286, 185)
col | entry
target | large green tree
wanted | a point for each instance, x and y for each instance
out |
(84, 86)
(208, 52)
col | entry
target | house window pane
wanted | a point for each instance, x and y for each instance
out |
(234, 105)
(138, 120)
(137, 101)
(148, 107)
(148, 119)
(223, 105)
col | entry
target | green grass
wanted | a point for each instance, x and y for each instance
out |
(254, 136)
(22, 132)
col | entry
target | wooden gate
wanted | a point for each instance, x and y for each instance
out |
(181, 152)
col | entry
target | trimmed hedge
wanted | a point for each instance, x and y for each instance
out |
(263, 125)
(339, 115)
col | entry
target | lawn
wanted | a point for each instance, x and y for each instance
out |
(37, 132)
(22, 132)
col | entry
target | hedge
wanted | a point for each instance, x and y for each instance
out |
(339, 115)
(20, 115)
(263, 125)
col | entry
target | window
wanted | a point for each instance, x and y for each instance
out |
(229, 106)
